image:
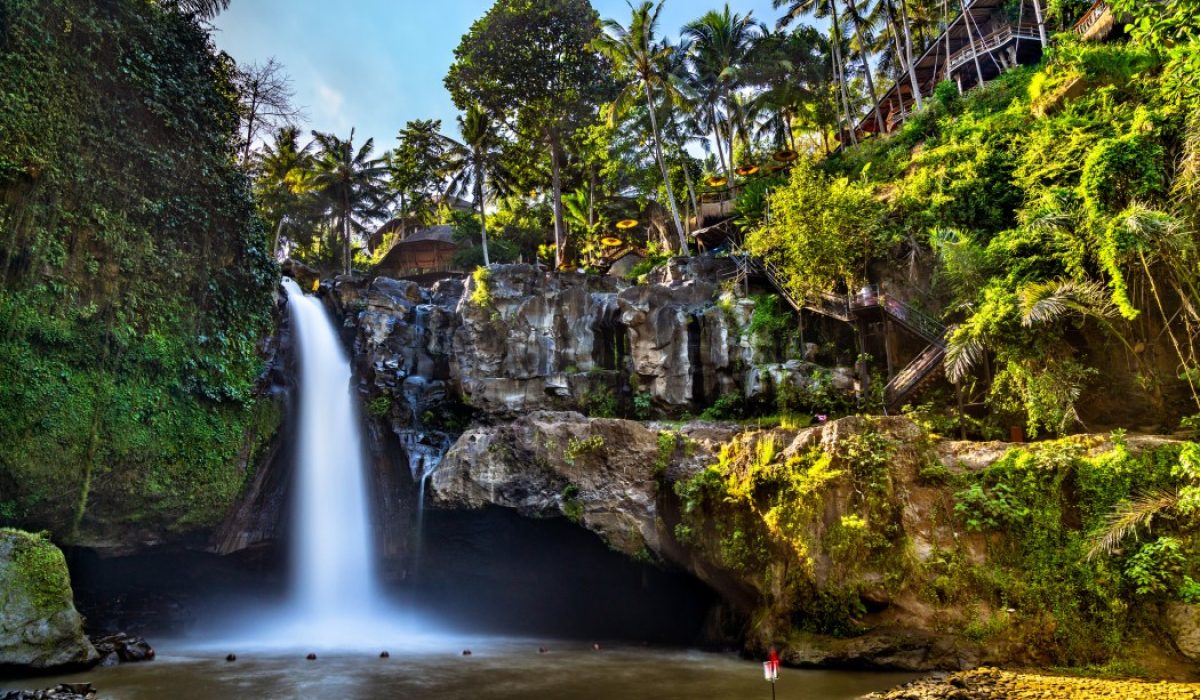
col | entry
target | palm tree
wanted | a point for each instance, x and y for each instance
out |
(899, 30)
(855, 12)
(634, 53)
(281, 186)
(824, 8)
(350, 184)
(791, 71)
(720, 46)
(474, 161)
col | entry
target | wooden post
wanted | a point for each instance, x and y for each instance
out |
(968, 18)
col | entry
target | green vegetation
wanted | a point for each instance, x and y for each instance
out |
(578, 447)
(1056, 224)
(1077, 585)
(136, 278)
(759, 512)
(38, 570)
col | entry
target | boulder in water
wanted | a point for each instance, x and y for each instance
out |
(39, 626)
(122, 648)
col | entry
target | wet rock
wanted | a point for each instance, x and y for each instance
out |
(1183, 622)
(63, 691)
(305, 276)
(124, 648)
(39, 626)
(894, 650)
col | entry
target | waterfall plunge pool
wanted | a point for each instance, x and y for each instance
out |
(499, 668)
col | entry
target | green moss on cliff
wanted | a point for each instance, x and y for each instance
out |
(1063, 550)
(38, 572)
(135, 280)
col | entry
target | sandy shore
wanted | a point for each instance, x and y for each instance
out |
(993, 684)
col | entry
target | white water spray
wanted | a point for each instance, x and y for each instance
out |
(333, 573)
(336, 600)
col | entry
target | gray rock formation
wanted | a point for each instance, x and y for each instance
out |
(39, 627)
(532, 340)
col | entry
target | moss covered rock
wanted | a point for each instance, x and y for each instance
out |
(39, 626)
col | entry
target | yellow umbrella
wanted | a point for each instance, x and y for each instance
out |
(610, 241)
(747, 170)
(716, 181)
(626, 224)
(787, 155)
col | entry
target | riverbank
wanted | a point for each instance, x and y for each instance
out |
(990, 683)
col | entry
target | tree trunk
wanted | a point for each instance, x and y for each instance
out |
(346, 231)
(908, 53)
(662, 164)
(1037, 11)
(841, 72)
(560, 227)
(729, 121)
(712, 111)
(479, 189)
(866, 60)
(967, 21)
(250, 126)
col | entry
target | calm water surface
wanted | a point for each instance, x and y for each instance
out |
(497, 670)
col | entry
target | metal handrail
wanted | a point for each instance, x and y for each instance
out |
(999, 37)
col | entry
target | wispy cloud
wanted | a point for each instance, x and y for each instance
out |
(330, 110)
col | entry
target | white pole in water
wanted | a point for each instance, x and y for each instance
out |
(771, 673)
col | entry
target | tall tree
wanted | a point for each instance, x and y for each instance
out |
(204, 9)
(350, 184)
(415, 167)
(720, 47)
(265, 99)
(529, 62)
(825, 8)
(640, 60)
(857, 15)
(281, 188)
(476, 160)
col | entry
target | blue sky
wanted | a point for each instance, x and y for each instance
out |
(375, 64)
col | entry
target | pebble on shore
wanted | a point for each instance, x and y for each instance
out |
(994, 684)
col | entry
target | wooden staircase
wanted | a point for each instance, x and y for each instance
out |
(914, 377)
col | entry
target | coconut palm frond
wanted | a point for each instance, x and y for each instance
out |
(1045, 302)
(962, 354)
(1127, 518)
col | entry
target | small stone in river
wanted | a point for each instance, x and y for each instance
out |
(231, 657)
(596, 646)
(543, 650)
(384, 655)
(311, 657)
(466, 652)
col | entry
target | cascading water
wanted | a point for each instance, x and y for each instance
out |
(335, 596)
(333, 573)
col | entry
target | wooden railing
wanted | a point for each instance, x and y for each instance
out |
(908, 380)
(1000, 36)
(1099, 11)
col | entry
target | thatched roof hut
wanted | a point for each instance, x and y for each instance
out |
(427, 251)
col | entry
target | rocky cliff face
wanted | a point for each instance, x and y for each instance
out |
(847, 544)
(530, 340)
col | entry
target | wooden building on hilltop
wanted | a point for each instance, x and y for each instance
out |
(988, 38)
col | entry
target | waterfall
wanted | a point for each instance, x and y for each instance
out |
(333, 573)
(336, 600)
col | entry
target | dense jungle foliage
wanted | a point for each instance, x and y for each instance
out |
(136, 281)
(1065, 549)
(1057, 210)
